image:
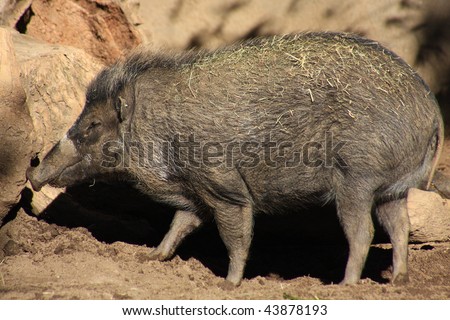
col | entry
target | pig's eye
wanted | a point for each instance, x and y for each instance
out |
(93, 125)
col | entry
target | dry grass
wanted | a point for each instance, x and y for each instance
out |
(339, 61)
(355, 73)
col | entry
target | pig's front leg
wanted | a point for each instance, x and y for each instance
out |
(183, 224)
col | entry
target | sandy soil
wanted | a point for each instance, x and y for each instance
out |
(65, 254)
(56, 262)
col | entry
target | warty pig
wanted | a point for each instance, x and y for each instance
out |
(264, 126)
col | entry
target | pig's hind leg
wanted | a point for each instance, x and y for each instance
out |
(183, 224)
(393, 216)
(354, 211)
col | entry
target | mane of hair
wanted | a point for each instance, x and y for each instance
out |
(112, 79)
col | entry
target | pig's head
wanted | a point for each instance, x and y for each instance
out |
(79, 156)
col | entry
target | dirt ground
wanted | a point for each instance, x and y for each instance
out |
(69, 253)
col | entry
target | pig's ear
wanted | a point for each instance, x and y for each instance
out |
(121, 108)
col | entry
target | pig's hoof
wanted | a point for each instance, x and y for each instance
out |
(400, 279)
(227, 285)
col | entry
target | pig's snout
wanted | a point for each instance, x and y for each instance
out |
(61, 157)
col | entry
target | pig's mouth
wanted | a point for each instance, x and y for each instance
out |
(67, 174)
(63, 177)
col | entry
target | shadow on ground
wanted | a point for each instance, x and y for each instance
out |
(309, 243)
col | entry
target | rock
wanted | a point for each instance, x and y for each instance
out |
(41, 200)
(184, 23)
(12, 10)
(42, 89)
(55, 78)
(11, 248)
(429, 216)
(432, 59)
(99, 27)
(16, 129)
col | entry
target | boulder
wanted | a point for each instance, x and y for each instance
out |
(54, 78)
(12, 10)
(16, 127)
(429, 216)
(42, 89)
(99, 27)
